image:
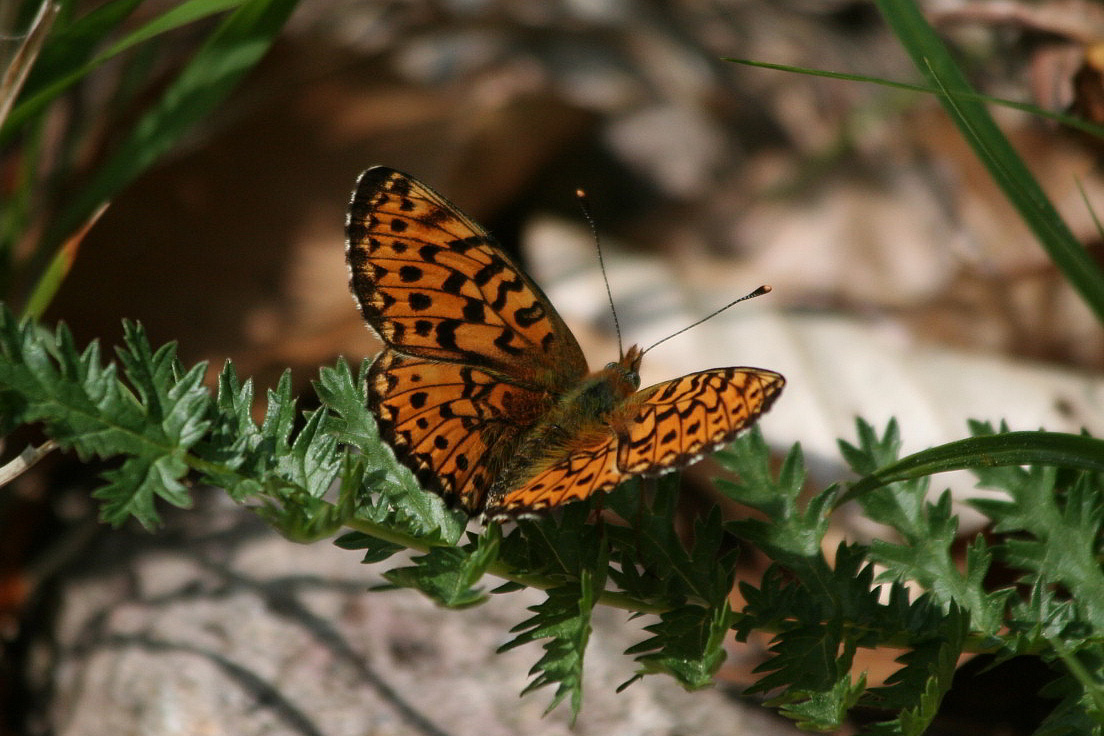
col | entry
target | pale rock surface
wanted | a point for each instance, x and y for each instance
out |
(217, 625)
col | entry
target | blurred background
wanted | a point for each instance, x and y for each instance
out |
(904, 285)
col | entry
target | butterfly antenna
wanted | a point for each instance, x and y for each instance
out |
(584, 205)
(764, 289)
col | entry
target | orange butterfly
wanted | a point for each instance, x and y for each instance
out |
(483, 391)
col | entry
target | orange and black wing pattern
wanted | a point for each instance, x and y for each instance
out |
(447, 422)
(480, 386)
(435, 285)
(589, 468)
(659, 429)
(473, 349)
(672, 424)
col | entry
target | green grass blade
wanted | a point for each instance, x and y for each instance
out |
(1009, 448)
(1004, 164)
(22, 61)
(65, 58)
(73, 42)
(231, 51)
(58, 268)
(1069, 121)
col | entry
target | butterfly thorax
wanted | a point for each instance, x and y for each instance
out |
(576, 418)
(590, 404)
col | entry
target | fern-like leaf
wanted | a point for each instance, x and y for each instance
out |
(448, 574)
(687, 644)
(563, 621)
(152, 419)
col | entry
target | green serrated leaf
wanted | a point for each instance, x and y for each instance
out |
(901, 505)
(233, 437)
(559, 546)
(312, 462)
(917, 689)
(280, 415)
(806, 658)
(1056, 529)
(822, 614)
(929, 559)
(352, 423)
(85, 407)
(132, 488)
(790, 534)
(1078, 712)
(826, 710)
(448, 574)
(749, 457)
(375, 549)
(654, 564)
(687, 644)
(564, 621)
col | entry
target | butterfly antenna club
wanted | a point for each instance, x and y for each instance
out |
(584, 205)
(764, 289)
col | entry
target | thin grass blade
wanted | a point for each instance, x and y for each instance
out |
(996, 153)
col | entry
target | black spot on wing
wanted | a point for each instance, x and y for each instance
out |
(445, 334)
(463, 245)
(475, 311)
(483, 276)
(428, 253)
(504, 343)
(504, 290)
(454, 283)
(529, 316)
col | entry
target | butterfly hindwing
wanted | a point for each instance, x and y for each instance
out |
(671, 424)
(661, 428)
(585, 471)
(447, 422)
(435, 285)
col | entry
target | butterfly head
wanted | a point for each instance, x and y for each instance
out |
(625, 373)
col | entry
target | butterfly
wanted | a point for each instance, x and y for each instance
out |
(482, 390)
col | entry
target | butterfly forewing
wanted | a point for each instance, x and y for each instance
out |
(672, 424)
(434, 284)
